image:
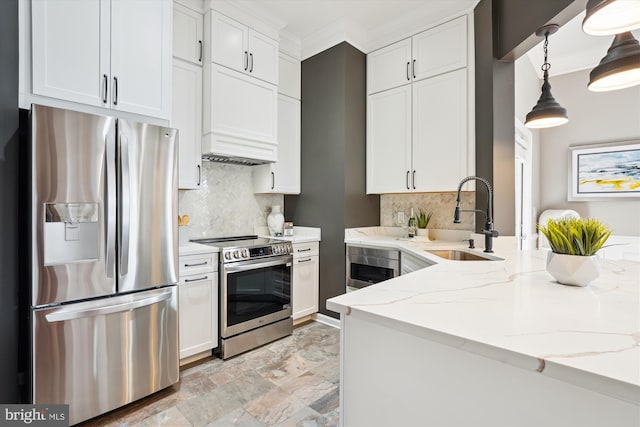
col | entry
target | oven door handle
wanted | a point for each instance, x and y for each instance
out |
(252, 265)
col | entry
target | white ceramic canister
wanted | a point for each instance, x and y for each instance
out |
(275, 221)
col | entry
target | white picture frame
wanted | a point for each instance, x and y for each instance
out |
(604, 171)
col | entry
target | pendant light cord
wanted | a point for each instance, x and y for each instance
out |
(545, 67)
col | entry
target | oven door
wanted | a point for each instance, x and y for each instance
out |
(254, 293)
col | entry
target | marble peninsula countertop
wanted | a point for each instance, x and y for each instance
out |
(512, 310)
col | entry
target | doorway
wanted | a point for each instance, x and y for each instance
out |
(525, 235)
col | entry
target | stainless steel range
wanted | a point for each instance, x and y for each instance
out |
(255, 292)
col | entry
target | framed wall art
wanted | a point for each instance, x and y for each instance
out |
(603, 171)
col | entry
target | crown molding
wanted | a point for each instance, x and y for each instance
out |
(343, 30)
(255, 17)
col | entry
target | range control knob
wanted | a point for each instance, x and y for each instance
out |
(245, 253)
(277, 249)
(236, 254)
(227, 256)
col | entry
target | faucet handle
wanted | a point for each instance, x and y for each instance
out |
(471, 243)
(492, 233)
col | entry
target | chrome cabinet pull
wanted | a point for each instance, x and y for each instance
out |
(413, 68)
(115, 91)
(408, 77)
(246, 60)
(196, 280)
(200, 57)
(273, 180)
(196, 265)
(199, 175)
(407, 181)
(105, 80)
(251, 58)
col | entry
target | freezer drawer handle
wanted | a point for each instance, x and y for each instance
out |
(64, 314)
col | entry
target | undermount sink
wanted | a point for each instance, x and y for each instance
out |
(458, 255)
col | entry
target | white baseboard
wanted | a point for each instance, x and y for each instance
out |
(328, 320)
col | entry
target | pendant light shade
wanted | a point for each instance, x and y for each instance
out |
(608, 17)
(620, 68)
(547, 112)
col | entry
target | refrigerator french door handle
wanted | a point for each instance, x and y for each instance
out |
(69, 314)
(110, 203)
(125, 205)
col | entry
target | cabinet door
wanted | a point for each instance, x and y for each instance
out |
(187, 34)
(263, 57)
(242, 106)
(440, 131)
(287, 168)
(283, 176)
(141, 56)
(440, 49)
(186, 116)
(198, 314)
(71, 50)
(289, 76)
(305, 286)
(389, 141)
(389, 67)
(229, 42)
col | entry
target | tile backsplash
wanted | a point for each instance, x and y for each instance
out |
(225, 205)
(440, 204)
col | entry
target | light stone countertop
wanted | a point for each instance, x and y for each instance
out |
(512, 310)
(192, 248)
(300, 234)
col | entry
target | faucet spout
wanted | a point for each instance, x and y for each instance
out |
(489, 232)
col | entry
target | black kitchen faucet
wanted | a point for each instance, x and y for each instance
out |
(489, 232)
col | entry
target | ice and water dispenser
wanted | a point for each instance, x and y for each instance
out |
(71, 233)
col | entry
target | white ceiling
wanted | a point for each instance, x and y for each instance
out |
(571, 49)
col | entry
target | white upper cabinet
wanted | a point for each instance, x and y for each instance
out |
(440, 132)
(283, 176)
(108, 53)
(141, 56)
(389, 67)
(440, 49)
(389, 141)
(289, 76)
(419, 130)
(435, 51)
(186, 116)
(241, 48)
(187, 34)
(71, 50)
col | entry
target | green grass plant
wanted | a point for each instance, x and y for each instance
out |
(575, 236)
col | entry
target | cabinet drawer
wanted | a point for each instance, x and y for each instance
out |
(305, 249)
(198, 264)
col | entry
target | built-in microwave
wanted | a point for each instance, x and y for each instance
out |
(368, 265)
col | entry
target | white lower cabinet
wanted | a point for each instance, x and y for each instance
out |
(306, 279)
(198, 303)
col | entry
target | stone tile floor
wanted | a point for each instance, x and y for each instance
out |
(290, 382)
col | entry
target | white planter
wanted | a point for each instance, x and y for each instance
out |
(573, 270)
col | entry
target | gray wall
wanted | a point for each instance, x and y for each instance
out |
(594, 117)
(333, 159)
(9, 201)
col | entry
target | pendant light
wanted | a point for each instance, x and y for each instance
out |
(608, 17)
(620, 68)
(547, 112)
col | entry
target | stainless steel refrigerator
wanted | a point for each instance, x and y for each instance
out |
(104, 271)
